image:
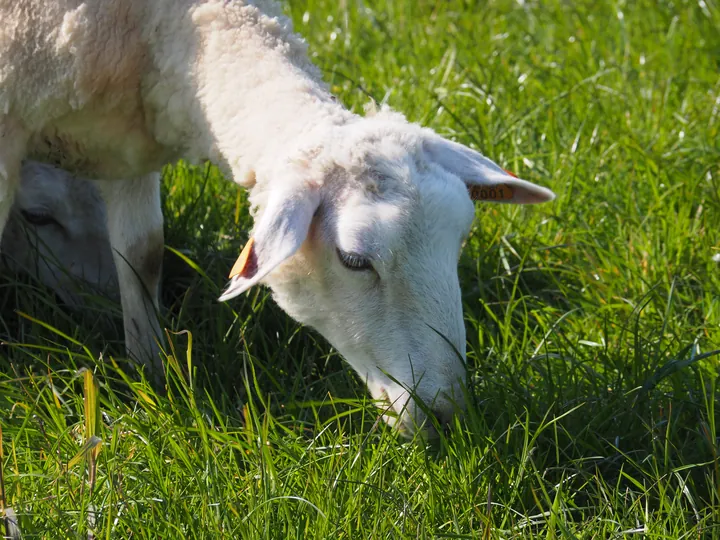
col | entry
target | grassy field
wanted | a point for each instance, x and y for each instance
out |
(591, 321)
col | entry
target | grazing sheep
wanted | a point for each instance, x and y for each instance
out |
(358, 221)
(56, 233)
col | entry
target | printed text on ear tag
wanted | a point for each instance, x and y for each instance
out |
(242, 261)
(500, 192)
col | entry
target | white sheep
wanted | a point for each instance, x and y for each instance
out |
(358, 221)
(56, 233)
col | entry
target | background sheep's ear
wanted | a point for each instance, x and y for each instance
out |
(486, 180)
(279, 233)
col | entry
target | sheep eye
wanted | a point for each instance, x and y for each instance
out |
(353, 261)
(38, 218)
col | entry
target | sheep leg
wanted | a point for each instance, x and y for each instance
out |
(8, 184)
(135, 226)
(12, 150)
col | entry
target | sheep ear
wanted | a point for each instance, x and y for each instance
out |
(279, 233)
(486, 180)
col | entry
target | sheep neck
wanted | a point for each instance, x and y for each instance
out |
(242, 91)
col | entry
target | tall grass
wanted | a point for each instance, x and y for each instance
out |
(592, 321)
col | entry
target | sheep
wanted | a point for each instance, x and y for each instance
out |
(56, 233)
(358, 221)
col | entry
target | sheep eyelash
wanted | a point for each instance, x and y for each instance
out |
(38, 218)
(353, 261)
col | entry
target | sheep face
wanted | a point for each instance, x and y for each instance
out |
(365, 250)
(57, 233)
(377, 276)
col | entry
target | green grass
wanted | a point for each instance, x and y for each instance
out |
(594, 403)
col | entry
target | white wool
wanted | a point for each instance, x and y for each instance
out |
(116, 89)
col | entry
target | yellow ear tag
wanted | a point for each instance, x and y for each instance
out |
(242, 261)
(499, 192)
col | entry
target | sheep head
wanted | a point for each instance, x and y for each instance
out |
(57, 233)
(359, 237)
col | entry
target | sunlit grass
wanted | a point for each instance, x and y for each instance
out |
(590, 320)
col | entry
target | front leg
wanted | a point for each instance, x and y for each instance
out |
(135, 226)
(12, 150)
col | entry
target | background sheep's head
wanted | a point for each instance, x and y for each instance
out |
(57, 233)
(360, 236)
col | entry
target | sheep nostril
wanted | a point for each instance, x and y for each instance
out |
(443, 417)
